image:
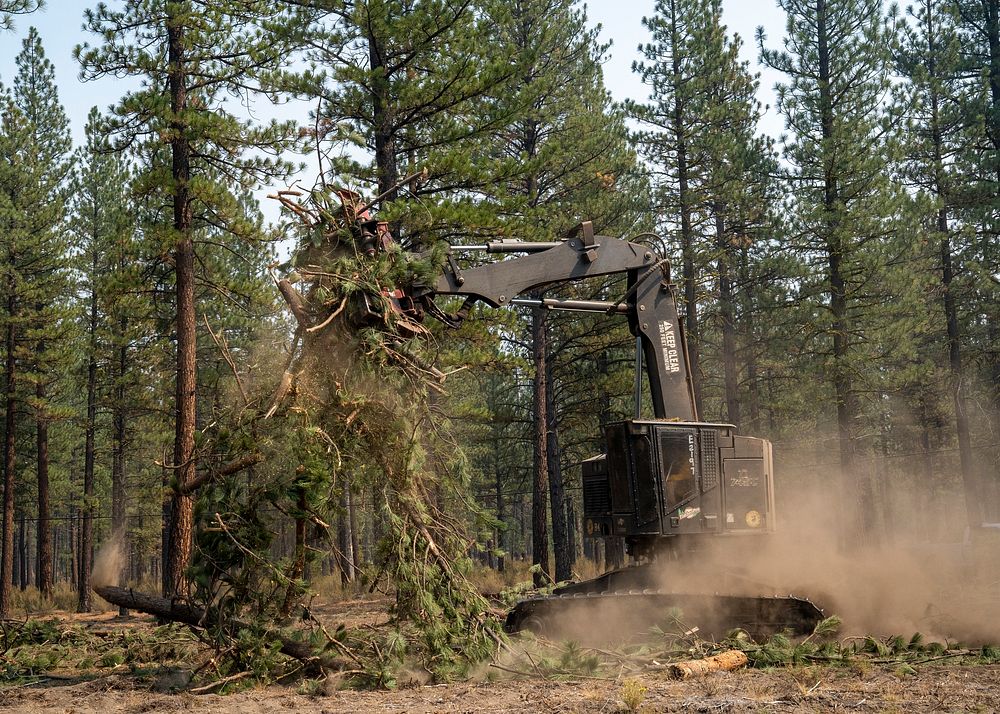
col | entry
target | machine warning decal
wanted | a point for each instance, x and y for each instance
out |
(753, 519)
(668, 342)
(688, 512)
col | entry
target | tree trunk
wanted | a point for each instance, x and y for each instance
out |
(748, 323)
(10, 422)
(352, 523)
(573, 533)
(847, 410)
(991, 11)
(501, 530)
(299, 557)
(22, 553)
(557, 491)
(386, 168)
(43, 578)
(73, 535)
(181, 518)
(119, 525)
(539, 529)
(728, 314)
(691, 327)
(180, 611)
(969, 475)
(87, 536)
(925, 493)
(345, 556)
(973, 501)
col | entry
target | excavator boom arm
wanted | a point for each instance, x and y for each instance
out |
(649, 302)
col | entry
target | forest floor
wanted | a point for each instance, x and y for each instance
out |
(934, 689)
(139, 668)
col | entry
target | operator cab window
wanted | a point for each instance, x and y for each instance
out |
(677, 463)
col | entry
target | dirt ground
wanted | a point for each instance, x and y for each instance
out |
(937, 686)
(932, 689)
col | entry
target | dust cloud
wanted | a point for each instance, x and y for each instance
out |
(913, 575)
(894, 582)
(108, 564)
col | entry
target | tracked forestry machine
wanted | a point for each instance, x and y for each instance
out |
(666, 485)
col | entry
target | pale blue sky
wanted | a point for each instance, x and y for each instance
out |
(60, 26)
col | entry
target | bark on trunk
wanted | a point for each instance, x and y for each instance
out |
(179, 611)
(727, 313)
(557, 491)
(43, 573)
(7, 547)
(724, 661)
(386, 168)
(180, 525)
(22, 553)
(119, 525)
(83, 603)
(539, 496)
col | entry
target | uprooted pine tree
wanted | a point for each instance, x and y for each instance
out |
(354, 405)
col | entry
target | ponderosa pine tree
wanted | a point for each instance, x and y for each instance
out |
(36, 142)
(675, 67)
(408, 82)
(979, 163)
(564, 158)
(737, 189)
(191, 54)
(32, 187)
(101, 222)
(929, 57)
(35, 94)
(846, 209)
(10, 181)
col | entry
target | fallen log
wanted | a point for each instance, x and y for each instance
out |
(179, 611)
(722, 662)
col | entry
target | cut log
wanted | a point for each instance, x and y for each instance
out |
(178, 611)
(725, 661)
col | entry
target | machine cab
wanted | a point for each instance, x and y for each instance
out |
(667, 478)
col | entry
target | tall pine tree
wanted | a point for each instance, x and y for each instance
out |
(36, 96)
(846, 210)
(191, 53)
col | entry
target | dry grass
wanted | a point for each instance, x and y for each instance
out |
(518, 573)
(331, 587)
(31, 603)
